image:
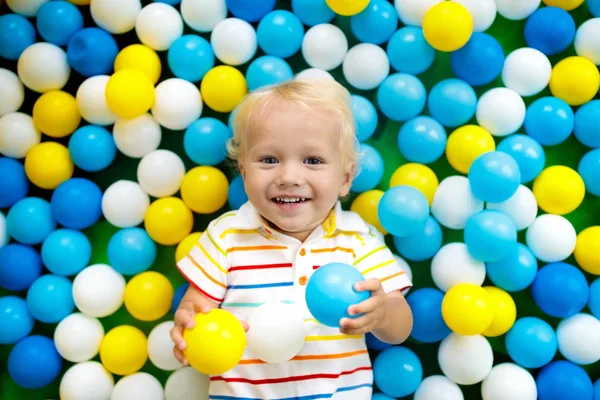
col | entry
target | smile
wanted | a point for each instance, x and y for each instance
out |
(290, 200)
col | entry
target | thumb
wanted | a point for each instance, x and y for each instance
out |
(245, 326)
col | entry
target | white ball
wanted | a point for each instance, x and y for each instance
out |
(438, 387)
(160, 173)
(508, 381)
(587, 42)
(465, 360)
(453, 264)
(579, 339)
(203, 15)
(454, 203)
(521, 207)
(177, 103)
(18, 134)
(158, 25)
(526, 71)
(91, 101)
(324, 46)
(115, 16)
(517, 9)
(43, 67)
(137, 137)
(124, 204)
(98, 290)
(12, 92)
(551, 238)
(87, 380)
(276, 332)
(187, 384)
(313, 73)
(483, 13)
(160, 347)
(500, 111)
(138, 386)
(4, 236)
(28, 8)
(411, 12)
(78, 337)
(365, 66)
(234, 41)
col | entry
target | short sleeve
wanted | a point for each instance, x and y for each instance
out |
(205, 266)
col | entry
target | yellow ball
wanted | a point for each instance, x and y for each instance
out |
(347, 7)
(168, 220)
(559, 190)
(223, 88)
(148, 296)
(129, 93)
(217, 342)
(467, 143)
(467, 309)
(140, 57)
(123, 350)
(48, 164)
(366, 204)
(447, 26)
(504, 309)
(204, 189)
(186, 245)
(587, 251)
(564, 4)
(575, 80)
(56, 114)
(419, 176)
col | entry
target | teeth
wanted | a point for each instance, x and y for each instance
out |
(290, 199)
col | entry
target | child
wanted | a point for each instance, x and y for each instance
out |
(295, 146)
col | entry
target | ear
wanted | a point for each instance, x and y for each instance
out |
(347, 179)
(242, 170)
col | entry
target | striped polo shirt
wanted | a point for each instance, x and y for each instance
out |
(240, 262)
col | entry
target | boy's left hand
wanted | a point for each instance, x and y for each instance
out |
(373, 309)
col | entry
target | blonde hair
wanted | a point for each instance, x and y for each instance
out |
(319, 95)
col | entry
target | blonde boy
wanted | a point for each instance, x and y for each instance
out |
(295, 146)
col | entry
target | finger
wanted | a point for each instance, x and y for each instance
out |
(185, 318)
(371, 304)
(245, 325)
(177, 338)
(358, 331)
(359, 322)
(371, 285)
(179, 356)
(204, 309)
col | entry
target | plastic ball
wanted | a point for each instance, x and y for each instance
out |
(409, 52)
(312, 12)
(16, 34)
(124, 204)
(179, 293)
(579, 339)
(17, 322)
(116, 20)
(551, 238)
(140, 57)
(139, 384)
(58, 21)
(137, 137)
(454, 265)
(418, 176)
(401, 96)
(233, 41)
(564, 4)
(160, 173)
(454, 203)
(20, 266)
(190, 57)
(86, 380)
(123, 350)
(34, 362)
(549, 120)
(366, 66)
(43, 67)
(550, 30)
(586, 130)
(55, 113)
(4, 236)
(559, 190)
(514, 272)
(148, 296)
(366, 205)
(447, 26)
(575, 80)
(403, 210)
(216, 343)
(11, 91)
(594, 298)
(376, 23)
(89, 333)
(205, 141)
(504, 310)
(516, 10)
(438, 387)
(452, 102)
(324, 46)
(168, 220)
(394, 381)
(478, 62)
(585, 41)
(411, 12)
(28, 8)
(204, 189)
(527, 152)
(92, 148)
(250, 12)
(562, 379)
(66, 252)
(236, 196)
(560, 290)
(280, 33)
(48, 165)
(490, 235)
(500, 111)
(508, 381)
(91, 101)
(483, 13)
(203, 15)
(594, 7)
(465, 360)
(588, 259)
(30, 220)
(428, 323)
(92, 51)
(467, 309)
(223, 87)
(98, 290)
(18, 134)
(15, 185)
(131, 251)
(369, 169)
(365, 117)
(158, 25)
(526, 71)
(186, 245)
(347, 8)
(521, 207)
(421, 245)
(375, 344)
(267, 70)
(466, 144)
(77, 203)
(177, 104)
(129, 93)
(185, 383)
(494, 177)
(49, 298)
(422, 140)
(531, 342)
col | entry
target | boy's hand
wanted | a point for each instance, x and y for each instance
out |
(373, 309)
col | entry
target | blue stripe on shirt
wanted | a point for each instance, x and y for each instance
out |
(260, 286)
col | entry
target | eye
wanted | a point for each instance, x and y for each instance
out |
(313, 161)
(269, 160)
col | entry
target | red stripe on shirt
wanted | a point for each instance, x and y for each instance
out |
(289, 378)
(263, 266)
(213, 298)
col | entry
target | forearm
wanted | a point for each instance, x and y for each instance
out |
(397, 322)
(196, 300)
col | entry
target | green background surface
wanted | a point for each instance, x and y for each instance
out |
(510, 36)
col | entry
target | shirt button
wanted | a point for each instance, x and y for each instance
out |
(302, 252)
(303, 280)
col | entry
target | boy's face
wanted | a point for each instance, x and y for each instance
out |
(292, 169)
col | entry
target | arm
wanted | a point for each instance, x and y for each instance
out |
(396, 325)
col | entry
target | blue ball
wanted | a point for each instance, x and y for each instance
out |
(403, 210)
(381, 396)
(589, 169)
(428, 323)
(587, 130)
(421, 245)
(131, 251)
(597, 384)
(179, 293)
(15, 319)
(190, 57)
(549, 120)
(50, 298)
(494, 176)
(490, 235)
(30, 220)
(237, 193)
(531, 342)
(312, 12)
(594, 7)
(401, 97)
(66, 252)
(268, 70)
(58, 21)
(564, 380)
(15, 184)
(205, 141)
(452, 102)
(375, 24)
(16, 34)
(251, 11)
(375, 344)
(397, 371)
(365, 117)
(514, 272)
(369, 170)
(478, 62)
(560, 290)
(280, 33)
(550, 30)
(528, 154)
(409, 52)
(20, 266)
(92, 51)
(34, 362)
(92, 148)
(594, 298)
(77, 203)
(330, 291)
(422, 140)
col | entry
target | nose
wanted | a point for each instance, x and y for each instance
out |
(290, 174)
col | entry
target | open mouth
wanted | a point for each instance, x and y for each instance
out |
(290, 200)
